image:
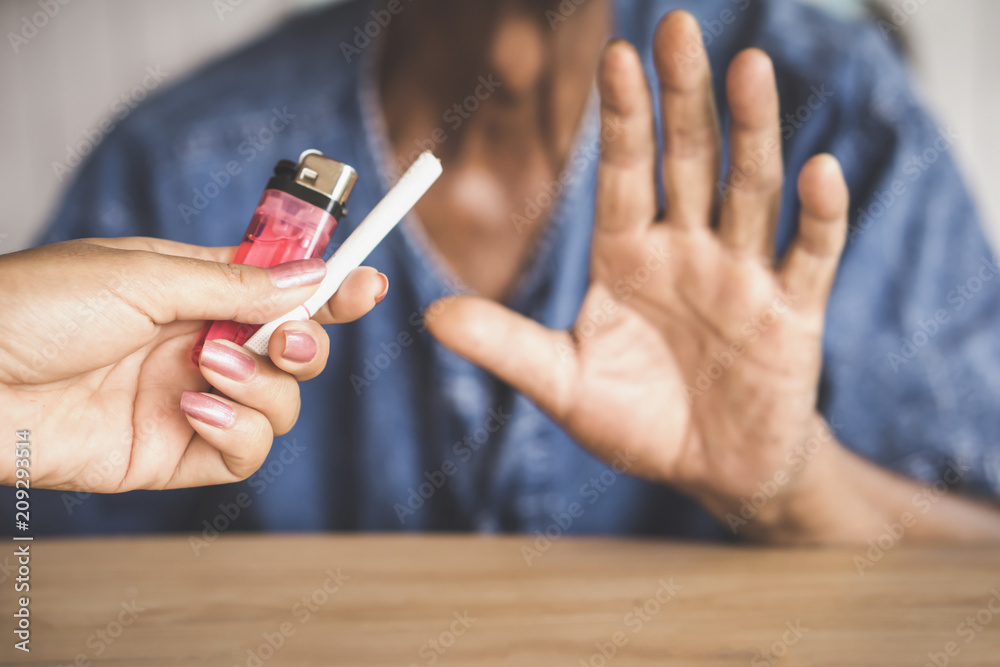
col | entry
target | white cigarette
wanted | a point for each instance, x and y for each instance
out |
(384, 217)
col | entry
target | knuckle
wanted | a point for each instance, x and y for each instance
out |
(349, 306)
(237, 276)
(287, 403)
(261, 435)
(691, 142)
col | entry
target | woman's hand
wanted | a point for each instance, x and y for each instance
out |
(695, 353)
(95, 344)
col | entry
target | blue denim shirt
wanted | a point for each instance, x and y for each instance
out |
(399, 434)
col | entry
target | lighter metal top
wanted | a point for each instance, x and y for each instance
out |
(329, 177)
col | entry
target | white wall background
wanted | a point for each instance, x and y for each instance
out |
(66, 78)
(958, 62)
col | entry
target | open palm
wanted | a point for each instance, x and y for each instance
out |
(694, 354)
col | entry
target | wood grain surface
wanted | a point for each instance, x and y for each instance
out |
(450, 600)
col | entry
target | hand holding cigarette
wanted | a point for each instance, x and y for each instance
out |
(95, 360)
(97, 335)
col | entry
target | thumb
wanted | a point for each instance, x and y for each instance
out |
(535, 360)
(169, 288)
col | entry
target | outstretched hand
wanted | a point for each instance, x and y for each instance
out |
(695, 352)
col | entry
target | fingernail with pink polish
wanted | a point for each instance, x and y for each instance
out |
(228, 362)
(298, 273)
(385, 288)
(300, 347)
(207, 410)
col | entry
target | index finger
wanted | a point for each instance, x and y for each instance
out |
(363, 288)
(361, 291)
(164, 247)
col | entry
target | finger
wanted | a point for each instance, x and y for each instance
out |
(691, 140)
(626, 186)
(168, 288)
(752, 195)
(363, 288)
(166, 247)
(519, 351)
(232, 441)
(300, 349)
(811, 262)
(253, 381)
(360, 292)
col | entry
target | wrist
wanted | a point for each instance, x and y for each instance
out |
(810, 500)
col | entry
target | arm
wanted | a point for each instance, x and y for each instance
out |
(845, 498)
(706, 371)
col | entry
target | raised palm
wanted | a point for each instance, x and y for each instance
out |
(693, 354)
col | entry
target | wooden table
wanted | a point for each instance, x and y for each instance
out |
(436, 600)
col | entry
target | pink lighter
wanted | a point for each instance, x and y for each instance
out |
(295, 219)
